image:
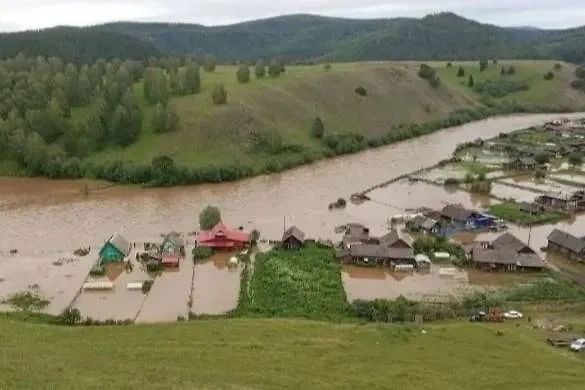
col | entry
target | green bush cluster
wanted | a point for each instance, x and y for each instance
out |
(500, 88)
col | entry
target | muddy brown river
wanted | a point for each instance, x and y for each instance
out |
(45, 219)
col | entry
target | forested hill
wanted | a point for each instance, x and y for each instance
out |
(443, 36)
(298, 38)
(77, 45)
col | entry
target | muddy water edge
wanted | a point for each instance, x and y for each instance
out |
(47, 219)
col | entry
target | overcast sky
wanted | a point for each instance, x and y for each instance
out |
(32, 14)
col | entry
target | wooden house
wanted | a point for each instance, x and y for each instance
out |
(173, 243)
(566, 244)
(462, 218)
(522, 164)
(506, 253)
(293, 238)
(114, 249)
(223, 238)
(424, 224)
(389, 250)
(558, 201)
(531, 208)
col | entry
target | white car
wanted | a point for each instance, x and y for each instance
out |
(578, 345)
(513, 315)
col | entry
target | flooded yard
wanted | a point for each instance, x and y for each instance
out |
(216, 285)
(578, 179)
(118, 303)
(56, 277)
(503, 191)
(542, 185)
(373, 283)
(404, 195)
(169, 295)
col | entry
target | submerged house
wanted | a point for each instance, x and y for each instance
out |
(114, 249)
(566, 244)
(392, 250)
(558, 201)
(506, 253)
(222, 237)
(424, 224)
(172, 250)
(522, 164)
(461, 218)
(293, 238)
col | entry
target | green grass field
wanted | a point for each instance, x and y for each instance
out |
(220, 135)
(301, 284)
(283, 354)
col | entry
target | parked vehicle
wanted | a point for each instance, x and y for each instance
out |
(578, 345)
(513, 315)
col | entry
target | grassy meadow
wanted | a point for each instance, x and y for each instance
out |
(284, 354)
(222, 135)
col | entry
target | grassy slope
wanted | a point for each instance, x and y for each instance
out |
(220, 134)
(271, 354)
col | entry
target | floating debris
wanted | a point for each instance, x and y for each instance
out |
(13, 251)
(82, 251)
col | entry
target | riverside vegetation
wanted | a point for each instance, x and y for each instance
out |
(166, 122)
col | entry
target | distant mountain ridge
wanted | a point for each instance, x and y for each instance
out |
(303, 37)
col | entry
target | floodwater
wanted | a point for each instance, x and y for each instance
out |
(119, 303)
(373, 283)
(504, 191)
(216, 285)
(46, 220)
(578, 179)
(169, 296)
(542, 185)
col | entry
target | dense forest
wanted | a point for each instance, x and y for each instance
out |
(301, 38)
(54, 114)
(76, 45)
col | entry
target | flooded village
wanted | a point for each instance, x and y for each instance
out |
(430, 219)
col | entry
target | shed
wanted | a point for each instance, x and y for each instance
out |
(114, 249)
(171, 260)
(293, 238)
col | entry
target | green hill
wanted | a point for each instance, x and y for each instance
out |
(283, 354)
(119, 122)
(443, 36)
(77, 45)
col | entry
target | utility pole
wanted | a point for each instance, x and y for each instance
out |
(283, 224)
(529, 235)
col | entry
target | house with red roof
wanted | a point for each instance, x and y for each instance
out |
(222, 237)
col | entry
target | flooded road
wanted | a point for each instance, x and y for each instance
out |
(46, 220)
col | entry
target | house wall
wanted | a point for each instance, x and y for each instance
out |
(291, 243)
(566, 252)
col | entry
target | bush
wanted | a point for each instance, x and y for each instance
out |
(201, 252)
(275, 69)
(452, 181)
(449, 65)
(327, 66)
(470, 81)
(557, 67)
(483, 65)
(361, 91)
(317, 128)
(243, 74)
(260, 69)
(511, 70)
(549, 75)
(460, 72)
(147, 285)
(70, 316)
(209, 64)
(500, 88)
(428, 73)
(219, 95)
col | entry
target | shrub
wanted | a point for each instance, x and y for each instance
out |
(449, 65)
(494, 62)
(154, 266)
(580, 72)
(452, 181)
(511, 70)
(428, 73)
(470, 81)
(317, 128)
(500, 88)
(219, 95)
(243, 74)
(460, 72)
(327, 66)
(557, 66)
(260, 69)
(575, 159)
(70, 316)
(549, 75)
(502, 71)
(275, 69)
(483, 65)
(361, 91)
(201, 252)
(147, 285)
(209, 64)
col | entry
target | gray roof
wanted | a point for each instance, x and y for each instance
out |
(294, 232)
(556, 195)
(509, 241)
(393, 236)
(506, 256)
(456, 212)
(369, 250)
(527, 160)
(566, 240)
(401, 253)
(530, 207)
(120, 244)
(422, 222)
